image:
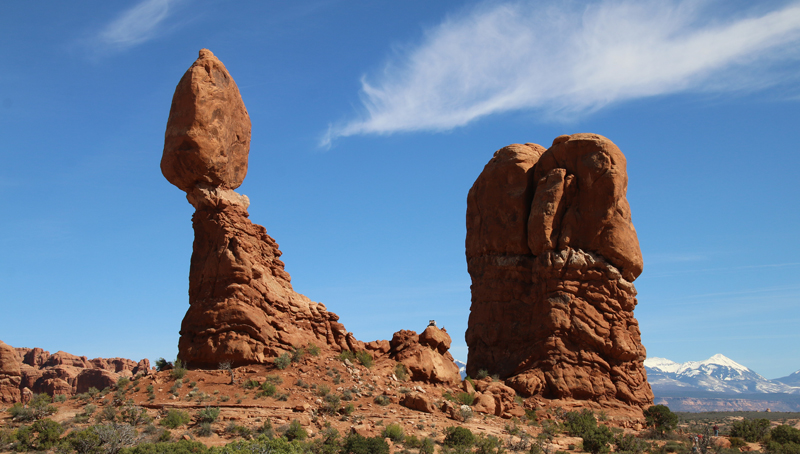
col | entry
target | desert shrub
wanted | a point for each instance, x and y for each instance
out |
(178, 447)
(60, 398)
(266, 430)
(488, 444)
(236, 430)
(660, 418)
(135, 415)
(393, 432)
(114, 437)
(348, 409)
(204, 429)
(251, 384)
(630, 444)
(673, 446)
(122, 382)
(162, 364)
(313, 349)
(208, 414)
(751, 430)
(597, 439)
(400, 372)
(785, 434)
(530, 414)
(107, 414)
(428, 447)
(465, 398)
(298, 354)
(323, 390)
(347, 355)
(84, 441)
(331, 404)
(458, 437)
(482, 373)
(358, 444)
(578, 423)
(282, 396)
(295, 431)
(283, 361)
(773, 447)
(42, 435)
(38, 408)
(382, 400)
(364, 358)
(274, 379)
(178, 371)
(175, 419)
(737, 442)
(267, 389)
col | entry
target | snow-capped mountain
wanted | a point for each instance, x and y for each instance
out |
(462, 368)
(791, 379)
(717, 374)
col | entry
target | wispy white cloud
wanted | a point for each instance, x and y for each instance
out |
(563, 59)
(136, 25)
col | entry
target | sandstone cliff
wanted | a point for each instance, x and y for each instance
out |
(552, 253)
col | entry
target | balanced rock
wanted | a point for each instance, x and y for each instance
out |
(425, 356)
(208, 131)
(553, 253)
(242, 308)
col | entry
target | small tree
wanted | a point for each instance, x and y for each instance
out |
(661, 418)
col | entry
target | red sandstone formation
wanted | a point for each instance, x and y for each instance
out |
(552, 253)
(60, 373)
(242, 307)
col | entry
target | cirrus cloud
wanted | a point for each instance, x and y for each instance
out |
(568, 60)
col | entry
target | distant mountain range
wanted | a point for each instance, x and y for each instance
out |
(718, 374)
(719, 384)
(716, 384)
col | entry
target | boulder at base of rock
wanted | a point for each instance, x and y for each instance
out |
(424, 362)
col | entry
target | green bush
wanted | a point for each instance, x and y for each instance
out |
(597, 439)
(458, 437)
(178, 447)
(323, 390)
(347, 355)
(578, 423)
(204, 429)
(751, 430)
(122, 382)
(208, 414)
(465, 398)
(161, 364)
(295, 431)
(482, 373)
(358, 444)
(785, 434)
(42, 435)
(382, 400)
(488, 444)
(267, 389)
(331, 404)
(84, 441)
(283, 361)
(38, 408)
(134, 415)
(298, 354)
(400, 372)
(175, 419)
(365, 359)
(393, 432)
(313, 350)
(737, 442)
(660, 418)
(178, 371)
(631, 444)
(773, 447)
(428, 447)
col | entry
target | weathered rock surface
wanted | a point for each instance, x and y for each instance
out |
(208, 131)
(10, 374)
(242, 307)
(60, 373)
(552, 253)
(425, 356)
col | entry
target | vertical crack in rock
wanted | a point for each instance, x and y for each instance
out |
(553, 254)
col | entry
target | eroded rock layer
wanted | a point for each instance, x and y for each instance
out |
(552, 253)
(242, 308)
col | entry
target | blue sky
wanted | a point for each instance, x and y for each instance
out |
(371, 120)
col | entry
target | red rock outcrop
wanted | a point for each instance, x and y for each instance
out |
(242, 307)
(10, 374)
(425, 356)
(552, 253)
(60, 373)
